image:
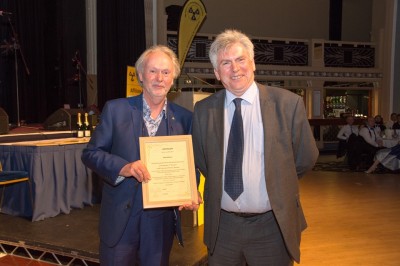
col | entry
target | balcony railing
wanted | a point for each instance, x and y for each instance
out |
(287, 52)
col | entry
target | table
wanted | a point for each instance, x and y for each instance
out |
(389, 143)
(59, 179)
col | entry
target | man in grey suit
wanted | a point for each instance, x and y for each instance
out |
(261, 226)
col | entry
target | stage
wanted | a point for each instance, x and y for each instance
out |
(72, 239)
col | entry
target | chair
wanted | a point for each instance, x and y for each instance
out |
(12, 177)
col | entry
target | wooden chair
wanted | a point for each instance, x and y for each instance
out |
(12, 177)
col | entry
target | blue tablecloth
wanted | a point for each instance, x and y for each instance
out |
(60, 181)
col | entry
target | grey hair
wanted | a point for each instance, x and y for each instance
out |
(139, 65)
(226, 39)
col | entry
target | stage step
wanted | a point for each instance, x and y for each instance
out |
(11, 260)
(41, 254)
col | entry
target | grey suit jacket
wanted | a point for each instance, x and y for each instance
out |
(289, 148)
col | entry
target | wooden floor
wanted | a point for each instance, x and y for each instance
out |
(353, 219)
(6, 260)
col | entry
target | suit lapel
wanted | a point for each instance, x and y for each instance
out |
(171, 120)
(218, 111)
(268, 115)
(136, 104)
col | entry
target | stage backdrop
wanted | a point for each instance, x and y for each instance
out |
(51, 33)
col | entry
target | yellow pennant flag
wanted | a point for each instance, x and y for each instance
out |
(132, 84)
(193, 14)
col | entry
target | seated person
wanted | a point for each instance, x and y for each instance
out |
(396, 125)
(379, 124)
(344, 134)
(389, 158)
(370, 142)
(393, 119)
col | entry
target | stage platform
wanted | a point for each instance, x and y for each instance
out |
(73, 239)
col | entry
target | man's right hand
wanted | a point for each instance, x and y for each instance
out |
(136, 169)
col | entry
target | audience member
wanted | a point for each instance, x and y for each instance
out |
(348, 129)
(379, 124)
(393, 119)
(389, 158)
(396, 125)
(369, 143)
(346, 136)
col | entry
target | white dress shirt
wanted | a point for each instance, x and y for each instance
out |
(346, 131)
(370, 135)
(254, 199)
(389, 124)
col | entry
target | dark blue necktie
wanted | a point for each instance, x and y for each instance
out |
(234, 155)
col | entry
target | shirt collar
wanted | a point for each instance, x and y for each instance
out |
(147, 110)
(249, 95)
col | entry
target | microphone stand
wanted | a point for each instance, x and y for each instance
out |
(16, 46)
(79, 68)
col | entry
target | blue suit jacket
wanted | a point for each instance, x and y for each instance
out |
(115, 143)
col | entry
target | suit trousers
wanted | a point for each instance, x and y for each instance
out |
(368, 151)
(147, 240)
(252, 241)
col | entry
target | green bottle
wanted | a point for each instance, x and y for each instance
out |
(86, 127)
(79, 129)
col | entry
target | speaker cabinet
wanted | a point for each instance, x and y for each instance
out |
(3, 122)
(62, 119)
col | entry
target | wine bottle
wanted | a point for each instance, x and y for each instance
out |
(79, 124)
(86, 126)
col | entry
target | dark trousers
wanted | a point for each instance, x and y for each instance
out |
(147, 241)
(366, 153)
(253, 241)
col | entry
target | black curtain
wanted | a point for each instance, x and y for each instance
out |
(335, 20)
(120, 41)
(51, 33)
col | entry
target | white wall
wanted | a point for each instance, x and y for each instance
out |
(299, 19)
(357, 20)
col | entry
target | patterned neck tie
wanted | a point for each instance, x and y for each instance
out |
(234, 156)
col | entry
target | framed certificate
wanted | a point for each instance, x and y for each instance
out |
(170, 162)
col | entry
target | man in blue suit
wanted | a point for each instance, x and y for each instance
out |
(128, 233)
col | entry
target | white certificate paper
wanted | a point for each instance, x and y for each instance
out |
(170, 162)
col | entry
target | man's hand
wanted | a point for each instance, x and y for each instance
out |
(136, 169)
(194, 206)
(380, 143)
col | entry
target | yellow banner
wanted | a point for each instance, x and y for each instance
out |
(193, 14)
(133, 87)
(200, 212)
